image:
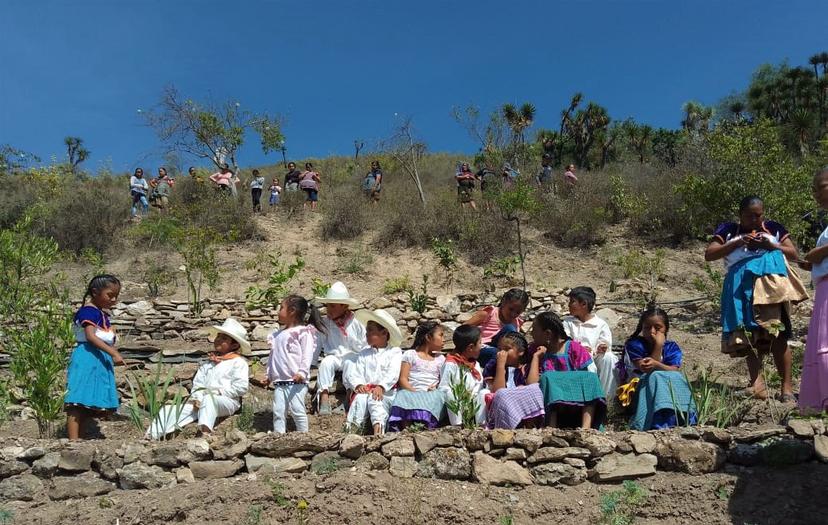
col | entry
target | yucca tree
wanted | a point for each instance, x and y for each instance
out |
(583, 128)
(640, 137)
(815, 61)
(800, 125)
(519, 120)
(697, 117)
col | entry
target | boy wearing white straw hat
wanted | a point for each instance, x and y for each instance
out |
(218, 386)
(342, 339)
(373, 375)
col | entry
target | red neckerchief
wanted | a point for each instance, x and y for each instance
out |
(467, 363)
(218, 358)
(342, 321)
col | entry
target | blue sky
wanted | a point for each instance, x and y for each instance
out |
(341, 70)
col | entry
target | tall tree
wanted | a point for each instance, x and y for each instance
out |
(406, 151)
(13, 160)
(697, 117)
(640, 137)
(583, 128)
(76, 152)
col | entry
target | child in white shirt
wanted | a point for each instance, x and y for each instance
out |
(462, 365)
(291, 355)
(593, 333)
(218, 386)
(374, 373)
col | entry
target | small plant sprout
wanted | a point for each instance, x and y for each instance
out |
(619, 507)
(281, 274)
(463, 402)
(419, 300)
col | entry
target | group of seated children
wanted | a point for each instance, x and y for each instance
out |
(492, 377)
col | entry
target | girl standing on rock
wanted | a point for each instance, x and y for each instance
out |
(560, 365)
(418, 400)
(514, 403)
(813, 393)
(90, 377)
(291, 354)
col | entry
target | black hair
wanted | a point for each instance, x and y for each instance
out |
(519, 341)
(464, 336)
(749, 201)
(255, 172)
(423, 331)
(99, 282)
(137, 170)
(550, 321)
(384, 329)
(585, 294)
(651, 311)
(191, 168)
(308, 164)
(306, 312)
(515, 294)
(163, 168)
(821, 171)
(377, 163)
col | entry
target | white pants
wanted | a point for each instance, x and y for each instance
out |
(292, 398)
(606, 363)
(171, 418)
(328, 367)
(480, 418)
(364, 406)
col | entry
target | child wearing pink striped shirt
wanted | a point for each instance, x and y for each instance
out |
(288, 367)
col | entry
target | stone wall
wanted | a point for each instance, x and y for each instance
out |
(59, 470)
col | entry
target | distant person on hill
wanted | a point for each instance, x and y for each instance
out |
(372, 184)
(569, 175)
(488, 182)
(310, 183)
(546, 173)
(161, 189)
(195, 175)
(256, 185)
(224, 179)
(465, 186)
(509, 175)
(138, 188)
(292, 177)
(275, 192)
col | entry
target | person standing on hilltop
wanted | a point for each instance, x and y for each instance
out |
(545, 175)
(256, 185)
(161, 189)
(224, 179)
(372, 184)
(569, 175)
(292, 177)
(138, 188)
(310, 185)
(465, 186)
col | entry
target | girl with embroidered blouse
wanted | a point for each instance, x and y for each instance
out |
(418, 400)
(655, 361)
(90, 377)
(513, 403)
(573, 395)
(291, 353)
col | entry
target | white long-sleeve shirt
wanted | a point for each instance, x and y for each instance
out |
(334, 342)
(291, 353)
(589, 333)
(227, 378)
(374, 366)
(451, 373)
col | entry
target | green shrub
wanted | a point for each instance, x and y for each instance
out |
(397, 285)
(17, 196)
(281, 273)
(202, 206)
(345, 214)
(197, 249)
(619, 507)
(157, 230)
(418, 300)
(579, 218)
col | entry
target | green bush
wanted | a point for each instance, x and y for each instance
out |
(345, 214)
(580, 217)
(201, 206)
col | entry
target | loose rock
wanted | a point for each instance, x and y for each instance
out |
(403, 466)
(547, 454)
(352, 446)
(215, 469)
(274, 465)
(137, 475)
(556, 473)
(617, 467)
(446, 463)
(692, 457)
(821, 447)
(402, 446)
(801, 427)
(85, 485)
(643, 443)
(76, 460)
(24, 487)
(491, 471)
(372, 461)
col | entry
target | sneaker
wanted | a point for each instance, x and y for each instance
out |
(325, 409)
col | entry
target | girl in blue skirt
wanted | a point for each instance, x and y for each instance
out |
(90, 378)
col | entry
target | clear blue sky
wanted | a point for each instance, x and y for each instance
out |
(339, 70)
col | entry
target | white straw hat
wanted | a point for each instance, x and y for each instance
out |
(384, 319)
(337, 294)
(232, 329)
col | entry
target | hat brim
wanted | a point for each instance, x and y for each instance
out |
(244, 344)
(321, 301)
(395, 337)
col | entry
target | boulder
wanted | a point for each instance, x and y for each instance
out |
(184, 475)
(327, 462)
(131, 452)
(76, 459)
(262, 331)
(352, 446)
(575, 462)
(85, 485)
(557, 473)
(449, 304)
(529, 441)
(819, 426)
(692, 457)
(617, 467)
(759, 434)
(403, 466)
(45, 467)
(717, 435)
(24, 487)
(380, 302)
(477, 440)
(784, 452)
(12, 468)
(11, 453)
(424, 442)
(107, 464)
(199, 448)
(597, 444)
(32, 453)
(274, 465)
(821, 448)
(216, 469)
(139, 309)
(279, 445)
(515, 454)
(372, 461)
(232, 445)
(402, 446)
(610, 316)
(490, 471)
(547, 454)
(446, 463)
(643, 443)
(503, 438)
(138, 475)
(801, 427)
(165, 455)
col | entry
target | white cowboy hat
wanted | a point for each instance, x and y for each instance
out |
(384, 319)
(232, 329)
(337, 294)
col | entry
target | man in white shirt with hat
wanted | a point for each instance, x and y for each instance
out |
(342, 340)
